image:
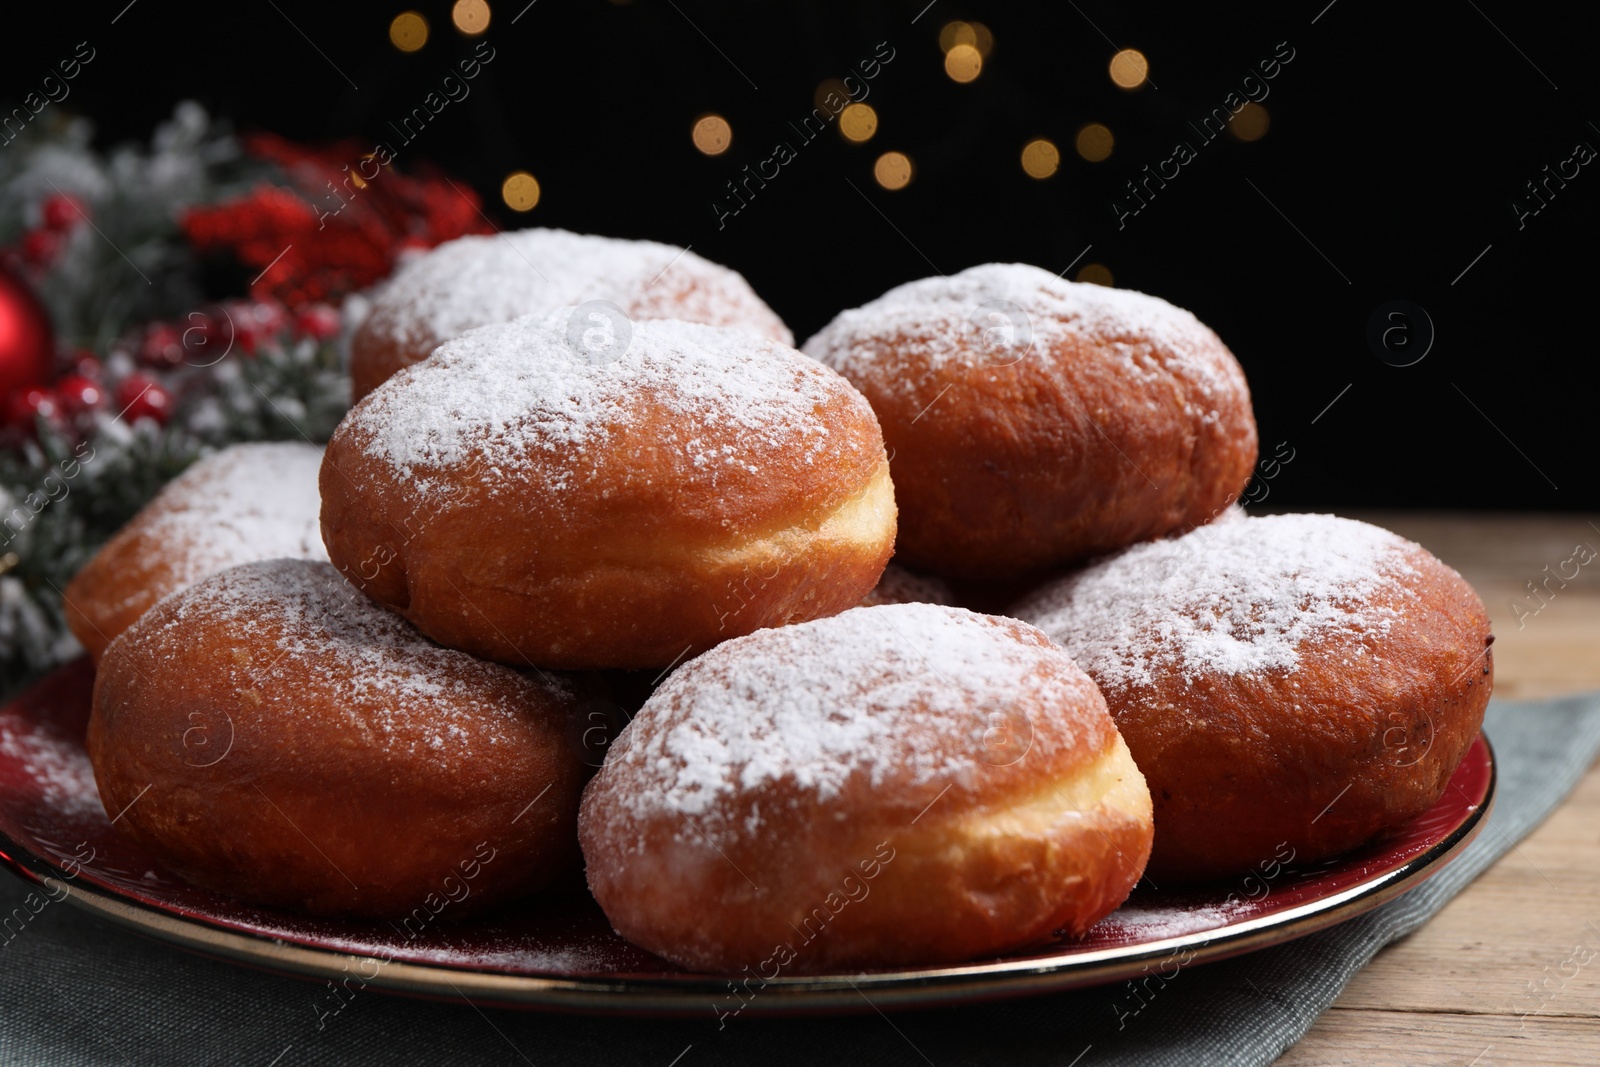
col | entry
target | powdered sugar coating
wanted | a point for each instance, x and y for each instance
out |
(478, 280)
(1232, 598)
(310, 631)
(521, 398)
(1134, 923)
(54, 760)
(899, 697)
(245, 503)
(940, 321)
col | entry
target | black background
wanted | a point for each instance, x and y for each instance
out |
(1400, 137)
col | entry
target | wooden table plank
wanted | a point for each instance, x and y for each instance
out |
(1509, 971)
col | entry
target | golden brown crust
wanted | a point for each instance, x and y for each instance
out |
(276, 737)
(121, 582)
(248, 502)
(1123, 420)
(904, 836)
(1359, 736)
(628, 553)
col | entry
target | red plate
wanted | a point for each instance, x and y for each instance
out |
(563, 954)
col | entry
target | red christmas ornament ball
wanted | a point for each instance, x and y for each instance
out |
(142, 397)
(27, 344)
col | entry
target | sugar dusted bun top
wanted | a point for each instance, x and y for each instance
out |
(879, 709)
(964, 319)
(247, 502)
(1246, 596)
(314, 634)
(689, 425)
(479, 280)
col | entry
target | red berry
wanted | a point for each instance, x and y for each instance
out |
(39, 247)
(62, 212)
(256, 322)
(269, 315)
(161, 346)
(86, 364)
(25, 406)
(319, 321)
(79, 394)
(142, 397)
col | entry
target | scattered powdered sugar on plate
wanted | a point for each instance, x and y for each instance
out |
(519, 393)
(478, 280)
(59, 766)
(247, 502)
(899, 691)
(398, 687)
(1233, 598)
(944, 320)
(1141, 924)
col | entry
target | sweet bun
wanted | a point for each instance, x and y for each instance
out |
(528, 500)
(476, 281)
(1299, 679)
(245, 503)
(1036, 422)
(904, 784)
(273, 735)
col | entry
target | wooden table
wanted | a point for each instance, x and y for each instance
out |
(1455, 992)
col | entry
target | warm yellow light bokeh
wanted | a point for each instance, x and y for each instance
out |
(520, 191)
(975, 34)
(1094, 142)
(1129, 68)
(963, 63)
(984, 42)
(954, 33)
(471, 17)
(1251, 123)
(1040, 158)
(1095, 274)
(829, 87)
(892, 170)
(409, 31)
(858, 122)
(712, 134)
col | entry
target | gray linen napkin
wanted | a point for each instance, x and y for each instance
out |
(76, 991)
